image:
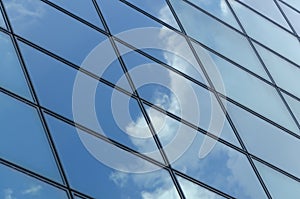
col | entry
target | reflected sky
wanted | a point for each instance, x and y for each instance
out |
(245, 91)
(269, 9)
(223, 168)
(16, 185)
(218, 8)
(160, 10)
(11, 76)
(2, 23)
(294, 3)
(35, 19)
(83, 9)
(21, 127)
(292, 15)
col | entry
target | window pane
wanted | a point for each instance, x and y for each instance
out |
(192, 190)
(269, 9)
(285, 74)
(176, 94)
(160, 10)
(15, 184)
(224, 39)
(11, 75)
(259, 28)
(294, 105)
(223, 168)
(292, 16)
(99, 174)
(2, 23)
(267, 141)
(34, 20)
(244, 88)
(83, 9)
(219, 9)
(279, 185)
(23, 140)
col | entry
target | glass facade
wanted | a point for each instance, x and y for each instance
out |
(162, 99)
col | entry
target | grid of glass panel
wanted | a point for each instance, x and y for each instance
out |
(254, 46)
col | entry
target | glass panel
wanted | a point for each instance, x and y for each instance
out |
(294, 105)
(259, 28)
(292, 16)
(294, 3)
(105, 166)
(222, 168)
(219, 9)
(279, 185)
(11, 75)
(176, 94)
(23, 140)
(192, 190)
(269, 9)
(14, 184)
(244, 88)
(2, 23)
(267, 141)
(224, 40)
(160, 10)
(285, 74)
(84, 9)
(118, 18)
(34, 20)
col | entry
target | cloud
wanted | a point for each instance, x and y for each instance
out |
(32, 190)
(8, 193)
(119, 178)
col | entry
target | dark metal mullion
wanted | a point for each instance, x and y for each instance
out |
(220, 102)
(33, 94)
(150, 125)
(265, 67)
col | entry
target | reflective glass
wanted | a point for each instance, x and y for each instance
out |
(192, 190)
(293, 3)
(23, 140)
(160, 10)
(2, 23)
(219, 9)
(118, 18)
(285, 74)
(54, 83)
(279, 185)
(267, 141)
(15, 185)
(103, 174)
(222, 167)
(83, 9)
(269, 9)
(11, 75)
(294, 105)
(244, 88)
(33, 20)
(224, 40)
(292, 15)
(177, 95)
(259, 28)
